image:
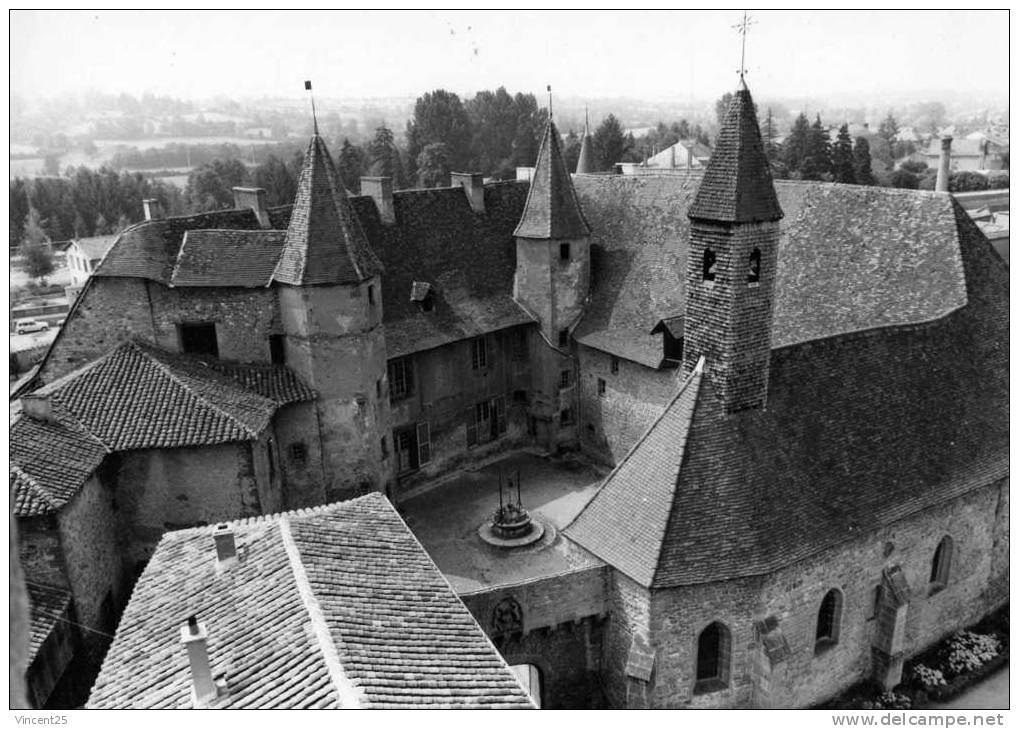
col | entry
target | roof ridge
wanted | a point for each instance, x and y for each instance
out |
(348, 692)
(190, 391)
(696, 371)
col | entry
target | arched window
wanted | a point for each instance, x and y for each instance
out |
(754, 269)
(708, 265)
(941, 565)
(714, 646)
(529, 677)
(828, 619)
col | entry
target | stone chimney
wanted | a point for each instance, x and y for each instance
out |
(944, 164)
(226, 547)
(253, 198)
(380, 189)
(153, 210)
(38, 407)
(195, 639)
(473, 185)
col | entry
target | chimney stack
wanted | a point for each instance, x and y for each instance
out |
(474, 186)
(944, 164)
(195, 639)
(226, 547)
(253, 198)
(38, 407)
(380, 189)
(153, 210)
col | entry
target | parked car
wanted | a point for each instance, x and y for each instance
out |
(25, 326)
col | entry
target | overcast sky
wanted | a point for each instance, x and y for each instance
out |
(657, 54)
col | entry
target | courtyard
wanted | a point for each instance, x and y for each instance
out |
(446, 519)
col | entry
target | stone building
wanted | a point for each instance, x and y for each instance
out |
(801, 389)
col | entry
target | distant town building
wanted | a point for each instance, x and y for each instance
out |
(972, 155)
(683, 155)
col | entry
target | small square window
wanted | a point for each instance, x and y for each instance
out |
(520, 396)
(371, 294)
(566, 417)
(199, 339)
(277, 351)
(615, 365)
(564, 337)
(298, 452)
(601, 387)
(564, 251)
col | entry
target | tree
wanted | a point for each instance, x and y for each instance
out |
(277, 180)
(794, 149)
(997, 180)
(861, 162)
(817, 163)
(210, 186)
(768, 135)
(966, 181)
(888, 129)
(350, 166)
(914, 166)
(842, 157)
(380, 155)
(905, 179)
(493, 118)
(609, 143)
(440, 118)
(434, 165)
(35, 249)
(18, 212)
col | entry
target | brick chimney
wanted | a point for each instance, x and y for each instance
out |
(253, 198)
(195, 639)
(38, 407)
(944, 164)
(474, 186)
(380, 189)
(153, 210)
(226, 547)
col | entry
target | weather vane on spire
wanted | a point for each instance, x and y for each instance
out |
(314, 118)
(549, 88)
(741, 28)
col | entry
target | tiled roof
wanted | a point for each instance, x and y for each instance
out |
(552, 209)
(324, 242)
(149, 250)
(47, 606)
(737, 186)
(468, 259)
(625, 522)
(333, 607)
(138, 396)
(244, 258)
(850, 258)
(860, 431)
(96, 247)
(585, 161)
(49, 461)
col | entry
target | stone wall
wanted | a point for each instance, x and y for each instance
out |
(174, 488)
(244, 318)
(793, 597)
(109, 311)
(628, 626)
(39, 550)
(446, 389)
(95, 573)
(634, 397)
(300, 455)
(557, 626)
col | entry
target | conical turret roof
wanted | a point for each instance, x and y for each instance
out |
(585, 162)
(552, 209)
(325, 243)
(737, 185)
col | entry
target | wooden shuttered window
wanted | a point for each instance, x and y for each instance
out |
(486, 421)
(424, 444)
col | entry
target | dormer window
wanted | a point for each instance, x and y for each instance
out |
(709, 264)
(754, 270)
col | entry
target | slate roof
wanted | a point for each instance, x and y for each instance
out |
(324, 242)
(585, 161)
(95, 247)
(860, 431)
(850, 258)
(737, 186)
(552, 209)
(47, 606)
(333, 607)
(137, 396)
(245, 258)
(149, 249)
